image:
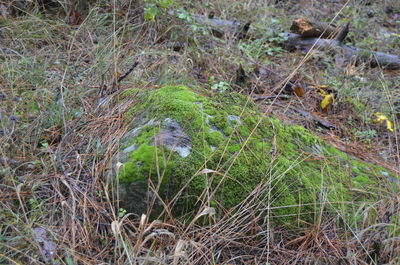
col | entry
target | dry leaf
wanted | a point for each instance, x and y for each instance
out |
(389, 125)
(299, 91)
(207, 211)
(115, 227)
(328, 99)
(179, 251)
(74, 17)
(205, 171)
(381, 117)
(322, 90)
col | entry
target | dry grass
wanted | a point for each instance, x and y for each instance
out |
(61, 126)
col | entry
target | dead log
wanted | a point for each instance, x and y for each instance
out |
(219, 27)
(297, 42)
(374, 59)
(217, 23)
(312, 29)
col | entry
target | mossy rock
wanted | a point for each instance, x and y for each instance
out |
(216, 150)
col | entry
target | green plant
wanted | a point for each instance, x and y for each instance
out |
(365, 136)
(268, 45)
(155, 7)
(150, 12)
(186, 16)
(254, 49)
(220, 86)
(121, 212)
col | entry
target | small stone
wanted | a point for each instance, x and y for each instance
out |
(385, 173)
(16, 99)
(3, 96)
(14, 118)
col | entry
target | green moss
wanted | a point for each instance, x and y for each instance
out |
(215, 138)
(303, 172)
(142, 163)
(220, 121)
(244, 130)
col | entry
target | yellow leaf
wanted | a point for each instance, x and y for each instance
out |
(380, 117)
(326, 101)
(117, 74)
(322, 92)
(389, 125)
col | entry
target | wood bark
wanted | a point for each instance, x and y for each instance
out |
(312, 29)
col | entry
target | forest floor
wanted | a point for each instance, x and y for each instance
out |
(59, 121)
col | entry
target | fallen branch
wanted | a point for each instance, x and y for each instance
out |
(220, 26)
(320, 122)
(259, 98)
(374, 59)
(217, 23)
(127, 72)
(115, 83)
(317, 120)
(297, 42)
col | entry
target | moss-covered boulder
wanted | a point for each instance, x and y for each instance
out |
(196, 149)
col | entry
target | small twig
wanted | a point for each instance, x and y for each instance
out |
(309, 116)
(124, 75)
(258, 98)
(115, 83)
